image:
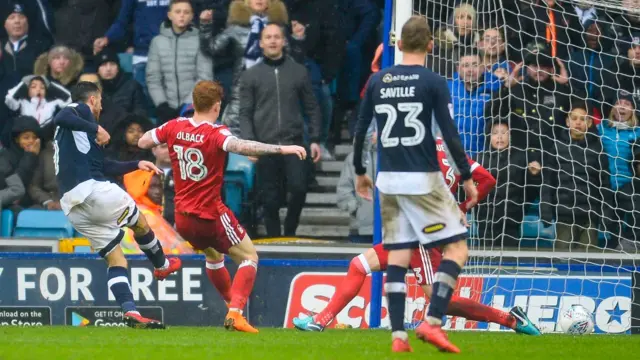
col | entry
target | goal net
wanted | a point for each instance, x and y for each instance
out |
(544, 95)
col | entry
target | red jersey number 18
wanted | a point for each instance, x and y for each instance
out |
(191, 163)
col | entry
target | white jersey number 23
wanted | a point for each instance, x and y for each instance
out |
(413, 110)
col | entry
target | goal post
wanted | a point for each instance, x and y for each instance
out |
(527, 239)
(388, 55)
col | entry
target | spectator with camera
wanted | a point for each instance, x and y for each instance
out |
(175, 62)
(239, 43)
(470, 91)
(271, 94)
(22, 47)
(118, 86)
(575, 172)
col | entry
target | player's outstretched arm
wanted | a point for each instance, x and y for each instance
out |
(146, 141)
(255, 148)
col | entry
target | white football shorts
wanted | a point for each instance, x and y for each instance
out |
(102, 215)
(430, 220)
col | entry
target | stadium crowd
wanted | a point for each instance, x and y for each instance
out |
(544, 94)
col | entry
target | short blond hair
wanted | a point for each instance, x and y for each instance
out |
(416, 35)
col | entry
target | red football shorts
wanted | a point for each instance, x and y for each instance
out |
(220, 234)
(424, 263)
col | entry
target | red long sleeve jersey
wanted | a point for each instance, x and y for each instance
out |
(198, 153)
(483, 179)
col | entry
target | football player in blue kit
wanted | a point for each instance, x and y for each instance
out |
(407, 102)
(97, 208)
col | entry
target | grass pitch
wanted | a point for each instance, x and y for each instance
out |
(179, 343)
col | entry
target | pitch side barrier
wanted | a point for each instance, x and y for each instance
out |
(70, 289)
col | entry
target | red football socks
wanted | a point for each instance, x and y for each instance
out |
(219, 276)
(473, 310)
(242, 285)
(344, 293)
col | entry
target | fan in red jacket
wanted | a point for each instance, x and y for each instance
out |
(423, 263)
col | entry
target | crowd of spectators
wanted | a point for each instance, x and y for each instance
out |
(544, 94)
(50, 45)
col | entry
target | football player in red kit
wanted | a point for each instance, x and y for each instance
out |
(198, 149)
(423, 262)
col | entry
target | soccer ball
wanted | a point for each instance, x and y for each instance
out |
(576, 320)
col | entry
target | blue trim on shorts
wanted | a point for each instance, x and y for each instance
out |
(402, 246)
(452, 239)
(112, 244)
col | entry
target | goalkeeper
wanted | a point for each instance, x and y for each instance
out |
(423, 263)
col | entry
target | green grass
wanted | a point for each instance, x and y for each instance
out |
(179, 343)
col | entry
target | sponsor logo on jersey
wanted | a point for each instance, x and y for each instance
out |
(388, 78)
(543, 298)
(433, 228)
